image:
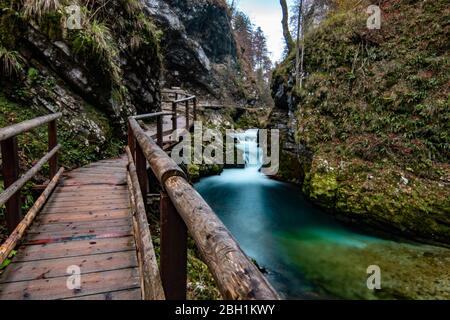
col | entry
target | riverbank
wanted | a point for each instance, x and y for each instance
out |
(308, 253)
(368, 129)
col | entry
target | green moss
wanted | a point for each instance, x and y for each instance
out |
(193, 172)
(321, 188)
(407, 271)
(196, 172)
(375, 107)
(201, 284)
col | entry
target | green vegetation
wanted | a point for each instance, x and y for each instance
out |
(78, 147)
(10, 62)
(340, 269)
(195, 172)
(375, 113)
(201, 283)
(29, 88)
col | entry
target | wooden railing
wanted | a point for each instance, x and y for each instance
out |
(13, 184)
(186, 100)
(183, 210)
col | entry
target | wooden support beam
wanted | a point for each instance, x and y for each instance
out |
(141, 169)
(20, 229)
(52, 143)
(16, 129)
(18, 184)
(159, 130)
(151, 279)
(131, 142)
(10, 158)
(173, 250)
(175, 116)
(235, 274)
(187, 115)
(195, 109)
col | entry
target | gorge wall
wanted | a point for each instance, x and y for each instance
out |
(200, 50)
(113, 66)
(367, 135)
(97, 74)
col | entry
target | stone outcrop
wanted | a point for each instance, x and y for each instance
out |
(59, 74)
(199, 49)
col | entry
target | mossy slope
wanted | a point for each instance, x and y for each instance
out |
(374, 112)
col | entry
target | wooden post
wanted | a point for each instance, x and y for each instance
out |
(131, 142)
(174, 116)
(19, 231)
(195, 109)
(10, 160)
(187, 116)
(52, 143)
(141, 169)
(173, 251)
(159, 130)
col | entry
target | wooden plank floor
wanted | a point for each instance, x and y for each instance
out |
(86, 223)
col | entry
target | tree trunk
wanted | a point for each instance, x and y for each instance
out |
(297, 48)
(285, 22)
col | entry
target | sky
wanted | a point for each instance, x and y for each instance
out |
(267, 15)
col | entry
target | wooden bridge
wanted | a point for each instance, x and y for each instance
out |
(87, 236)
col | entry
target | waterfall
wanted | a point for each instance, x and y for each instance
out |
(248, 144)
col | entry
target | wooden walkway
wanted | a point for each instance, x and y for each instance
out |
(87, 222)
(87, 235)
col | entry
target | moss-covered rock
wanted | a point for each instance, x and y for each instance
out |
(408, 271)
(321, 188)
(96, 77)
(374, 114)
(196, 172)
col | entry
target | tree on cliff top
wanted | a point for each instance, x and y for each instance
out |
(285, 22)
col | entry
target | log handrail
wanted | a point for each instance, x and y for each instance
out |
(235, 274)
(162, 165)
(152, 115)
(13, 183)
(18, 233)
(151, 281)
(189, 98)
(16, 186)
(186, 102)
(16, 129)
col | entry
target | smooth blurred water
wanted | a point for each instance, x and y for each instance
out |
(261, 213)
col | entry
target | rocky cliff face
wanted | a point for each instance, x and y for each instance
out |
(96, 76)
(199, 49)
(115, 65)
(370, 123)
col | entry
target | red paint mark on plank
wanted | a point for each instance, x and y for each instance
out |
(79, 238)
